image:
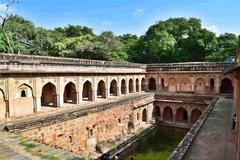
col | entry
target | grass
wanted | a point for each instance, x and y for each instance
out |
(156, 146)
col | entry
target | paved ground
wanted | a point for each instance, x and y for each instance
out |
(215, 140)
(14, 147)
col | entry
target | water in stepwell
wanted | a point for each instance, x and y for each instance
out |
(157, 145)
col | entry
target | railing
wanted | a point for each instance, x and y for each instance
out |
(189, 66)
(186, 142)
(47, 60)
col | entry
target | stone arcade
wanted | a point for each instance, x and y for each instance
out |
(75, 104)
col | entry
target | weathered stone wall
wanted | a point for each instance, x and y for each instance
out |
(80, 135)
(188, 81)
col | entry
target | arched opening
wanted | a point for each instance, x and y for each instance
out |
(152, 84)
(3, 109)
(23, 93)
(168, 114)
(212, 85)
(181, 115)
(101, 89)
(49, 95)
(113, 88)
(200, 86)
(144, 115)
(130, 87)
(172, 85)
(70, 93)
(226, 86)
(162, 82)
(23, 102)
(143, 85)
(195, 114)
(185, 85)
(87, 91)
(123, 86)
(137, 85)
(156, 112)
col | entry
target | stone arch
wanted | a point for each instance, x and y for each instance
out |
(101, 89)
(113, 88)
(144, 115)
(24, 90)
(156, 112)
(152, 84)
(226, 86)
(200, 86)
(168, 113)
(181, 115)
(123, 86)
(130, 86)
(49, 95)
(172, 85)
(143, 84)
(137, 85)
(185, 85)
(23, 102)
(87, 91)
(195, 114)
(3, 107)
(70, 93)
(212, 85)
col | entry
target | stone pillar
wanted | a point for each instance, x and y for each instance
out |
(217, 86)
(94, 95)
(59, 100)
(77, 96)
(134, 85)
(118, 91)
(189, 120)
(107, 92)
(37, 104)
(174, 118)
(60, 91)
(126, 87)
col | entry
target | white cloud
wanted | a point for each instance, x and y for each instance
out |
(3, 6)
(138, 12)
(213, 28)
(106, 22)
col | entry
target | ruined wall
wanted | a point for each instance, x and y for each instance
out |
(81, 135)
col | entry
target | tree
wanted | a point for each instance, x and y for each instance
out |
(5, 15)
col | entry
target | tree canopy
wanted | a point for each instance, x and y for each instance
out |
(173, 40)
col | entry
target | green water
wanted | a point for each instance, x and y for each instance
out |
(157, 145)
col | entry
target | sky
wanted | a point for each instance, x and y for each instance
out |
(129, 16)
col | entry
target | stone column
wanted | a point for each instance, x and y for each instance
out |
(217, 86)
(37, 104)
(174, 118)
(77, 96)
(60, 91)
(94, 95)
(189, 120)
(59, 100)
(118, 91)
(107, 92)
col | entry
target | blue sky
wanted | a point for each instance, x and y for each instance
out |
(130, 16)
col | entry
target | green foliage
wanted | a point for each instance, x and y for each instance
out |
(172, 40)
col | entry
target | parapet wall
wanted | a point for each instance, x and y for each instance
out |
(11, 63)
(189, 66)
